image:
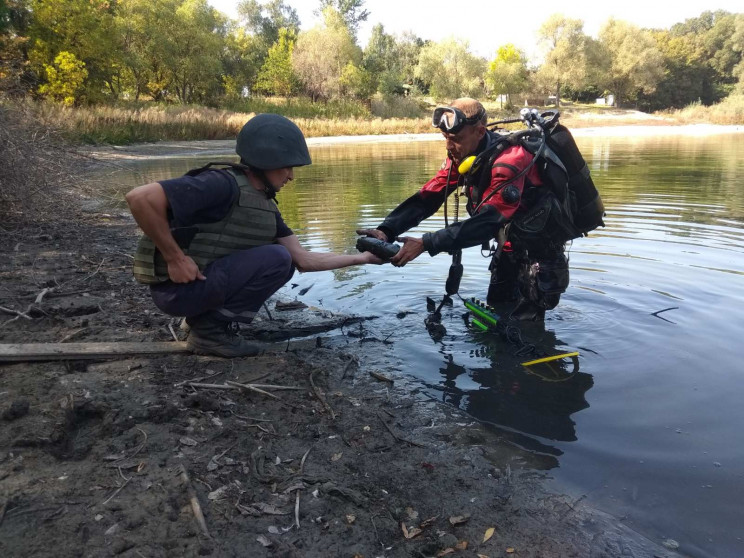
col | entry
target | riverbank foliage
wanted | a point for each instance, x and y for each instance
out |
(728, 111)
(114, 125)
(159, 59)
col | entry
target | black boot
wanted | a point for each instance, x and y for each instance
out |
(212, 337)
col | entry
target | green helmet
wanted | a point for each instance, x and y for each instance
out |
(271, 141)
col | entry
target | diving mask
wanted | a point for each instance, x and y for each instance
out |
(451, 120)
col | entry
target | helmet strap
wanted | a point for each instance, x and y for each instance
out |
(269, 189)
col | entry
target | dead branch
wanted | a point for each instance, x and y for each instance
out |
(255, 389)
(399, 438)
(17, 312)
(321, 397)
(297, 510)
(173, 333)
(195, 507)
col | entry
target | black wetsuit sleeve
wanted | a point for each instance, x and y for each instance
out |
(409, 214)
(478, 229)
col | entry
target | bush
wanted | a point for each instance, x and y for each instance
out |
(728, 111)
(38, 169)
(396, 106)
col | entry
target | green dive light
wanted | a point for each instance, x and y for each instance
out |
(483, 316)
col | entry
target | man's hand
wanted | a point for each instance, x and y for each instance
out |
(374, 233)
(412, 249)
(184, 270)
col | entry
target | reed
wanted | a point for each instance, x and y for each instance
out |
(729, 111)
(117, 125)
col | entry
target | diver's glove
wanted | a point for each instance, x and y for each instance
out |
(380, 248)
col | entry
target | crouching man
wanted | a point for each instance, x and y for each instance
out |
(215, 246)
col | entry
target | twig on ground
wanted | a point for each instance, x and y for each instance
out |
(136, 451)
(18, 313)
(211, 386)
(195, 380)
(297, 510)
(271, 386)
(9, 321)
(266, 307)
(304, 457)
(376, 533)
(254, 379)
(255, 389)
(220, 456)
(236, 415)
(195, 507)
(73, 334)
(42, 294)
(126, 482)
(173, 333)
(399, 438)
(319, 394)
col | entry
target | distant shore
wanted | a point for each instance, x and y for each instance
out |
(167, 149)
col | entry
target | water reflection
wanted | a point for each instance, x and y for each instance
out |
(537, 401)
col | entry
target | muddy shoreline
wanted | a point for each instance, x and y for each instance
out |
(93, 453)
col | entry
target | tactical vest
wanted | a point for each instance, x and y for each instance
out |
(249, 223)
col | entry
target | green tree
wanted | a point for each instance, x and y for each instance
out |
(356, 82)
(450, 70)
(379, 57)
(686, 76)
(713, 33)
(14, 21)
(173, 47)
(566, 54)
(322, 53)
(738, 44)
(635, 62)
(352, 12)
(197, 47)
(276, 76)
(507, 73)
(241, 61)
(65, 79)
(84, 28)
(265, 20)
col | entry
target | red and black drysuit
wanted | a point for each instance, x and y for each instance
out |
(536, 270)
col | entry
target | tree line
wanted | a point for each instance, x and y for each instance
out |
(101, 51)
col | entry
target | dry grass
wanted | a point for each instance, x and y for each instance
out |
(729, 111)
(157, 123)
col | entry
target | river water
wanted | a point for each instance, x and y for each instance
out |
(648, 422)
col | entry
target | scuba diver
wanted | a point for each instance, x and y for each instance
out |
(215, 246)
(531, 209)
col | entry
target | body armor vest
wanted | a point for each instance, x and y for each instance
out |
(249, 223)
